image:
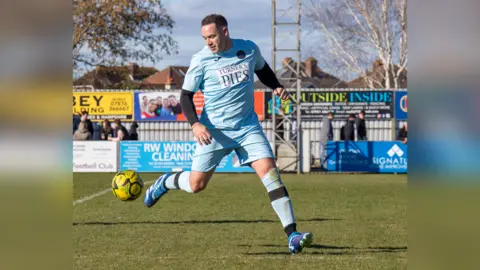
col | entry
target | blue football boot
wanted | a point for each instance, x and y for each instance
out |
(297, 241)
(156, 191)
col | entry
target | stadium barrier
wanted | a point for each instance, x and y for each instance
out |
(95, 156)
(148, 156)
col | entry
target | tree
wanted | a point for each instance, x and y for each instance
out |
(360, 32)
(110, 32)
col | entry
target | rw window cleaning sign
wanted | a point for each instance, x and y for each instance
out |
(104, 105)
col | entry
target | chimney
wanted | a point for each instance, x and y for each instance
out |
(133, 70)
(169, 84)
(310, 66)
(287, 61)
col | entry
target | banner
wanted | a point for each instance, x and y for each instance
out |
(104, 105)
(317, 104)
(168, 157)
(374, 157)
(165, 106)
(401, 105)
(94, 156)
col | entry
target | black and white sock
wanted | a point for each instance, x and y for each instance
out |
(280, 201)
(179, 180)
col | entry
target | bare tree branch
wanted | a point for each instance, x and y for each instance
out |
(360, 32)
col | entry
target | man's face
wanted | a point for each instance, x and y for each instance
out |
(214, 38)
(361, 116)
(84, 117)
(330, 116)
(152, 107)
(166, 103)
(173, 101)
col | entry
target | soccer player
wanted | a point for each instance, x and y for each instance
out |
(224, 71)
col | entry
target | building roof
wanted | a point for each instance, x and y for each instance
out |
(312, 76)
(117, 77)
(377, 74)
(172, 75)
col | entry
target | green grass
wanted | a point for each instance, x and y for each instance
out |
(358, 222)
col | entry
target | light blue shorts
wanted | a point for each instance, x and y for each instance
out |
(249, 143)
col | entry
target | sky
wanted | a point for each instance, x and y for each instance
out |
(247, 19)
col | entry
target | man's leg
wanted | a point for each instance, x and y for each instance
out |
(204, 164)
(268, 173)
(323, 154)
(255, 150)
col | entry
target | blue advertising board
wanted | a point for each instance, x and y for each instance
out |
(375, 157)
(401, 105)
(168, 157)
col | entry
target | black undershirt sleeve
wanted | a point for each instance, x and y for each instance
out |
(188, 107)
(268, 77)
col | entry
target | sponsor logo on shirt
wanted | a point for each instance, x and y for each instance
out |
(233, 75)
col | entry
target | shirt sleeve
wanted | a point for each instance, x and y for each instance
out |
(259, 60)
(194, 77)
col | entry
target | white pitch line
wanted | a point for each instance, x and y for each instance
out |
(100, 193)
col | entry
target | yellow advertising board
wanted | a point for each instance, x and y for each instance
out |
(104, 105)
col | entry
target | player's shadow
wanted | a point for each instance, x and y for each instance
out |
(109, 223)
(330, 250)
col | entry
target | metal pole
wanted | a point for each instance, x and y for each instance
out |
(274, 106)
(299, 118)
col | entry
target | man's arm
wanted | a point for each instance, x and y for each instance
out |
(118, 138)
(268, 77)
(188, 107)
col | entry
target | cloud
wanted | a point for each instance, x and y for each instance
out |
(247, 19)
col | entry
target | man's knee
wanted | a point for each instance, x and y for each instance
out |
(199, 181)
(198, 186)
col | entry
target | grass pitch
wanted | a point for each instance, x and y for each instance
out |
(358, 222)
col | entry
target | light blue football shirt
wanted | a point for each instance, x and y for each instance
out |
(226, 81)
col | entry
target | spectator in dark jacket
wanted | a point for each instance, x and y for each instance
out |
(349, 128)
(122, 132)
(88, 122)
(106, 130)
(133, 131)
(361, 127)
(403, 133)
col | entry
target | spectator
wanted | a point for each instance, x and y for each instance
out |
(361, 127)
(106, 130)
(76, 121)
(122, 133)
(133, 131)
(175, 105)
(349, 128)
(97, 127)
(403, 133)
(88, 122)
(82, 133)
(150, 112)
(326, 134)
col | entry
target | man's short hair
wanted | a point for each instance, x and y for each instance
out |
(217, 19)
(330, 114)
(118, 122)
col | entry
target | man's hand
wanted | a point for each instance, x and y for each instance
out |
(201, 134)
(282, 93)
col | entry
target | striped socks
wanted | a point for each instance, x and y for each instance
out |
(280, 201)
